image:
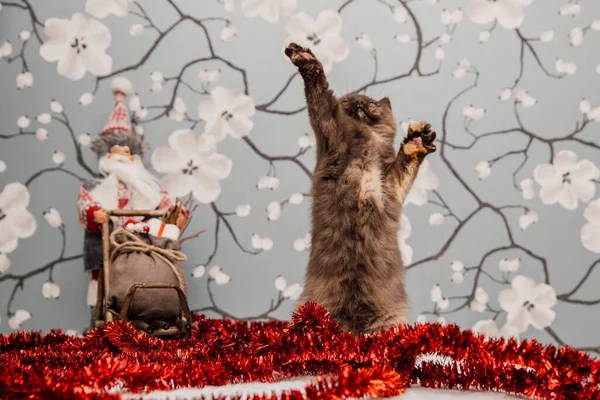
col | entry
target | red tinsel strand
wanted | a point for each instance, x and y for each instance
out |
(224, 352)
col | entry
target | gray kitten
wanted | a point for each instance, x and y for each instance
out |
(359, 185)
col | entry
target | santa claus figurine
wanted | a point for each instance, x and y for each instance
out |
(126, 184)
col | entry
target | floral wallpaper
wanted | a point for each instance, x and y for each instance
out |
(500, 233)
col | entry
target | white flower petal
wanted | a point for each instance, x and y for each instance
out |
(280, 283)
(541, 317)
(199, 271)
(243, 210)
(590, 236)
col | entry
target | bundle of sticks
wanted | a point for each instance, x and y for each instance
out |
(181, 215)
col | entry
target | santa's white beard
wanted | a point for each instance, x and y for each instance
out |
(140, 182)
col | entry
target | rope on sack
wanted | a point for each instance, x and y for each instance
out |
(135, 244)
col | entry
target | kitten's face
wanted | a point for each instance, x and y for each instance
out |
(367, 110)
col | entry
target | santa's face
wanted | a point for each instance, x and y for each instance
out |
(123, 151)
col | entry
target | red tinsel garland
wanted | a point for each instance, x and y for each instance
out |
(56, 366)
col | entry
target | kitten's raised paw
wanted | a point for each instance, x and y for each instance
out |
(419, 140)
(299, 55)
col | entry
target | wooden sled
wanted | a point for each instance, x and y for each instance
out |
(181, 329)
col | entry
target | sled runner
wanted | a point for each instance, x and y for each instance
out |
(126, 244)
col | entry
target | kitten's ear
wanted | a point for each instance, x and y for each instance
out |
(385, 101)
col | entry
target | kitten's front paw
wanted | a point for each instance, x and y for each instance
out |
(419, 140)
(301, 56)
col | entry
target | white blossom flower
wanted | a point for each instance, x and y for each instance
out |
(527, 219)
(305, 141)
(527, 303)
(41, 134)
(566, 181)
(576, 35)
(135, 104)
(274, 211)
(137, 30)
(483, 170)
(268, 182)
(50, 290)
(102, 8)
(403, 38)
(24, 80)
(292, 292)
(58, 157)
(485, 36)
(598, 69)
(209, 76)
(436, 219)
(480, 300)
(179, 110)
(509, 265)
(72, 332)
(23, 122)
(17, 320)
(156, 87)
(157, 76)
(565, 67)
(6, 49)
(477, 306)
(44, 118)
(508, 13)
(445, 38)
(269, 10)
(590, 232)
(53, 217)
(16, 222)
(546, 36)
(262, 243)
(457, 266)
(227, 113)
(296, 198)
(220, 277)
(4, 263)
(303, 243)
(25, 35)
(489, 328)
(506, 94)
(192, 165)
(439, 54)
(527, 188)
(473, 113)
(92, 293)
(2, 166)
(443, 304)
(365, 42)
(56, 107)
(243, 210)
(322, 35)
(229, 31)
(78, 45)
(595, 25)
(457, 277)
(84, 139)
(400, 15)
(86, 99)
(229, 5)
(441, 320)
(436, 294)
(199, 271)
(425, 181)
(406, 251)
(524, 98)
(569, 9)
(462, 68)
(585, 106)
(138, 129)
(280, 283)
(421, 319)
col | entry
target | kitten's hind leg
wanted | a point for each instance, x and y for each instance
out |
(417, 144)
(320, 100)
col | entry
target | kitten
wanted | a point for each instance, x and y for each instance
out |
(359, 185)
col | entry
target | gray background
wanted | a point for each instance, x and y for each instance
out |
(258, 51)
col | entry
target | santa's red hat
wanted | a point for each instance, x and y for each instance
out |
(118, 129)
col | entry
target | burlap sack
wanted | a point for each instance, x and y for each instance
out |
(145, 259)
